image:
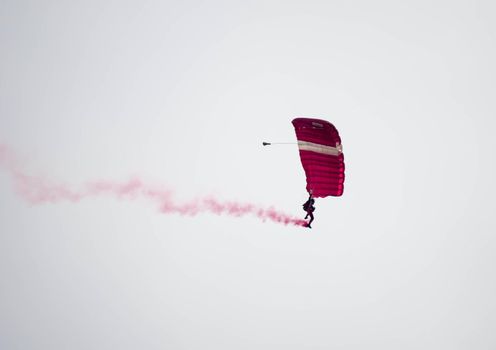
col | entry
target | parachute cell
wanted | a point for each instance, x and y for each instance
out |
(321, 155)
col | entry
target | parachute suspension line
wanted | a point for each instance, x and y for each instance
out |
(278, 143)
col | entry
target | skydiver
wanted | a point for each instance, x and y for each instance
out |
(309, 208)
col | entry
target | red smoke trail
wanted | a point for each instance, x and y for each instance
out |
(37, 190)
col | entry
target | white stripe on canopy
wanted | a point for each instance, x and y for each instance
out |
(318, 148)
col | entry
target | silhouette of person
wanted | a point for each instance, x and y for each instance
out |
(309, 208)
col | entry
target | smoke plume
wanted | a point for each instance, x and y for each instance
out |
(37, 190)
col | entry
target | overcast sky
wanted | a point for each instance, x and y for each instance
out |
(181, 94)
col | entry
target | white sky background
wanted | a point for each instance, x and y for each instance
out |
(183, 94)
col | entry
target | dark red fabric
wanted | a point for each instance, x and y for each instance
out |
(324, 172)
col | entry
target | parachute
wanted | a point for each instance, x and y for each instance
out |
(321, 155)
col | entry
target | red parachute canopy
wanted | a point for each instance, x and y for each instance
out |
(321, 156)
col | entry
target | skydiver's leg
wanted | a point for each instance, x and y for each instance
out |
(311, 219)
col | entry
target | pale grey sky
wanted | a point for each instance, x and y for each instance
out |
(182, 94)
